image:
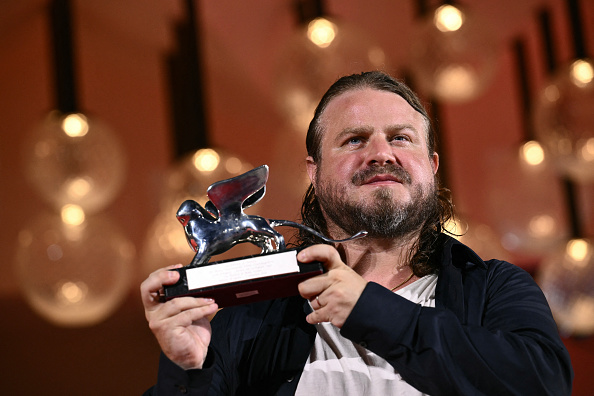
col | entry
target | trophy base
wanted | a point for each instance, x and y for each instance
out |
(244, 280)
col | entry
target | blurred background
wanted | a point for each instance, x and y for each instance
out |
(114, 112)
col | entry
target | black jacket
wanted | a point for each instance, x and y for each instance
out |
(491, 333)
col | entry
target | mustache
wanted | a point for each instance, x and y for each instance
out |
(374, 170)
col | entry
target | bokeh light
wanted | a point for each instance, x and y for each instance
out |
(453, 55)
(564, 120)
(526, 203)
(313, 58)
(74, 159)
(74, 275)
(567, 280)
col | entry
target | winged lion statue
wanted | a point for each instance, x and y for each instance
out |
(222, 223)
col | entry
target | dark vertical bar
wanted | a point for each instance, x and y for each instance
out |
(572, 210)
(577, 29)
(547, 40)
(61, 34)
(422, 8)
(443, 170)
(568, 184)
(196, 74)
(525, 91)
(185, 74)
(579, 47)
(308, 10)
(434, 110)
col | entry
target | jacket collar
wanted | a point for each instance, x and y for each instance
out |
(456, 253)
(462, 279)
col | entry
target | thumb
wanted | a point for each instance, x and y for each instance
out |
(325, 254)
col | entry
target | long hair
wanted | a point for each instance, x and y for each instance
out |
(311, 212)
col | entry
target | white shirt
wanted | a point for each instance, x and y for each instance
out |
(337, 366)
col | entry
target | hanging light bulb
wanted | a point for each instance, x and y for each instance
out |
(73, 159)
(321, 32)
(192, 175)
(527, 206)
(448, 18)
(531, 154)
(313, 58)
(453, 56)
(567, 280)
(74, 270)
(564, 120)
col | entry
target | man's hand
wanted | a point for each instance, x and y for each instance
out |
(181, 325)
(334, 293)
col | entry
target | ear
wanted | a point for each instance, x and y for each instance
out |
(311, 167)
(434, 162)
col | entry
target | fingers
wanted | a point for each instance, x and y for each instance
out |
(180, 325)
(181, 312)
(333, 294)
(326, 254)
(149, 289)
(330, 258)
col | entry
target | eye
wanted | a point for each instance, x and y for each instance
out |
(401, 138)
(354, 141)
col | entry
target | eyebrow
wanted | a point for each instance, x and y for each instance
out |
(367, 129)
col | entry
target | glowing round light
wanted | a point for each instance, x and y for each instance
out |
(206, 160)
(192, 175)
(541, 226)
(452, 56)
(75, 125)
(456, 82)
(321, 32)
(528, 205)
(564, 120)
(532, 153)
(74, 275)
(579, 250)
(448, 18)
(309, 63)
(587, 149)
(581, 73)
(233, 165)
(79, 187)
(72, 292)
(566, 278)
(72, 159)
(72, 215)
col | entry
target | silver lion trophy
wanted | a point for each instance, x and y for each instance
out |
(220, 225)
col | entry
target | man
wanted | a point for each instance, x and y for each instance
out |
(406, 310)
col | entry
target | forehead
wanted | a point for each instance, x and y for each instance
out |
(369, 107)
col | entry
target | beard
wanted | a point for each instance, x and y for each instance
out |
(383, 217)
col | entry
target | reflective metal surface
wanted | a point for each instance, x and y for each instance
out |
(221, 224)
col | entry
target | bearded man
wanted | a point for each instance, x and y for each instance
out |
(406, 310)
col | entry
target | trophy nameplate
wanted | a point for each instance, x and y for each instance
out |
(245, 280)
(220, 225)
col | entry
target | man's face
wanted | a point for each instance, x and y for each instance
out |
(374, 170)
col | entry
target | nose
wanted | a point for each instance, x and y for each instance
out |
(379, 152)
